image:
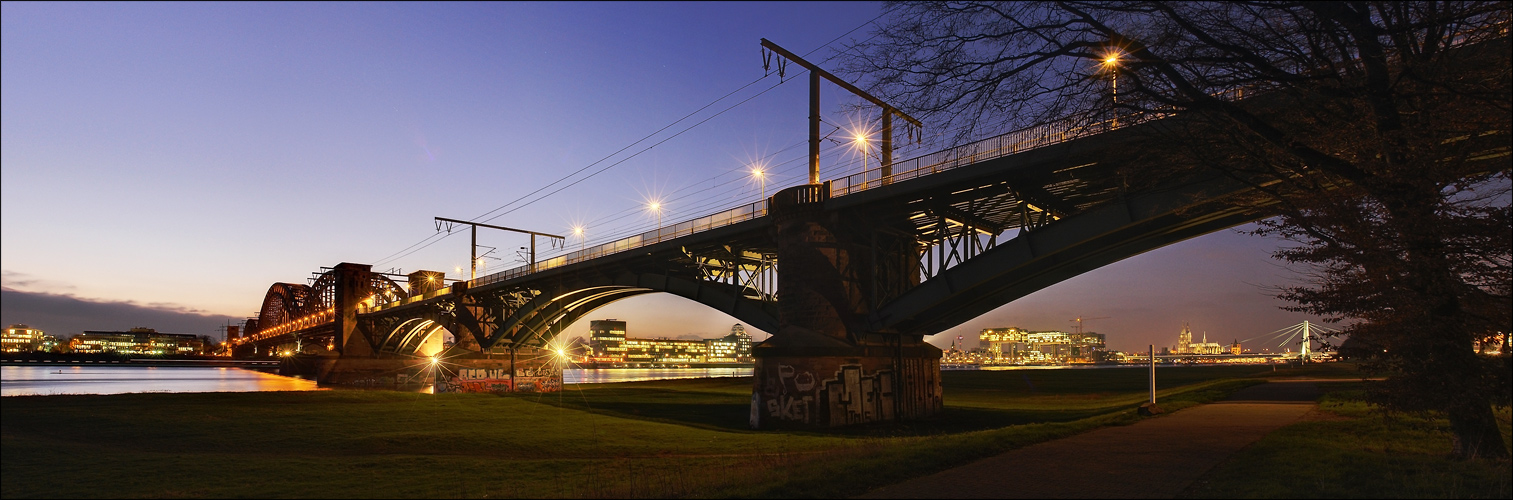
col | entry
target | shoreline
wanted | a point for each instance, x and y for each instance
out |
(192, 363)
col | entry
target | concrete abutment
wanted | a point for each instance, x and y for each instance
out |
(825, 367)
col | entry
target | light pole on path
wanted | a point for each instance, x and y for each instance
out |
(1150, 408)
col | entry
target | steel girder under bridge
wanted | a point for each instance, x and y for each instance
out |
(965, 239)
(849, 275)
(970, 229)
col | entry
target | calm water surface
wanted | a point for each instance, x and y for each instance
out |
(45, 380)
(582, 376)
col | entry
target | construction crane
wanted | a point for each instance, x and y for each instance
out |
(1080, 319)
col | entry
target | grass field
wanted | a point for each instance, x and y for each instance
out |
(1348, 450)
(651, 439)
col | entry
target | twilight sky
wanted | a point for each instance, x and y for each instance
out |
(168, 162)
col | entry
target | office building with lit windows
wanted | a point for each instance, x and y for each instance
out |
(665, 351)
(1018, 346)
(143, 341)
(609, 346)
(20, 338)
(606, 341)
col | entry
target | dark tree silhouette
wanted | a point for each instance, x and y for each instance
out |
(1375, 134)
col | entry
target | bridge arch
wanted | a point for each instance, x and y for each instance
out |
(288, 302)
(283, 303)
(537, 322)
(409, 337)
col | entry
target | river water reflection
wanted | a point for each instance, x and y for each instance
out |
(583, 376)
(46, 380)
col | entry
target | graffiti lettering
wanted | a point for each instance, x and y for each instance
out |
(790, 395)
(499, 380)
(854, 398)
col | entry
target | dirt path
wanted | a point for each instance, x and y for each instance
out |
(1155, 458)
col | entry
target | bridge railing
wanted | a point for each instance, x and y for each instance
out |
(315, 319)
(735, 215)
(1015, 142)
(1018, 141)
(367, 308)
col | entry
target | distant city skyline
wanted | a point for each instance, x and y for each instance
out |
(162, 165)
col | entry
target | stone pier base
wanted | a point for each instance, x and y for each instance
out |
(833, 386)
(493, 375)
(360, 372)
(532, 373)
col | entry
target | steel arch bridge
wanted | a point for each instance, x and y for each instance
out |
(964, 237)
(856, 268)
(969, 229)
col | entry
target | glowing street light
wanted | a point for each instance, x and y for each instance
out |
(656, 206)
(578, 231)
(862, 142)
(761, 177)
(1111, 64)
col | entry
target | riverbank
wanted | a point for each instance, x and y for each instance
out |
(641, 439)
(216, 363)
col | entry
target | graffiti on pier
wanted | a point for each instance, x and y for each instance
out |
(789, 395)
(538, 384)
(851, 397)
(499, 380)
(855, 398)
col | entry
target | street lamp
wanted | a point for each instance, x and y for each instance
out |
(1111, 64)
(761, 178)
(578, 231)
(656, 206)
(861, 142)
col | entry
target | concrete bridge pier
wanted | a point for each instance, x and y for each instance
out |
(825, 367)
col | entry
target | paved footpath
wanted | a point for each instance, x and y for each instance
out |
(1154, 458)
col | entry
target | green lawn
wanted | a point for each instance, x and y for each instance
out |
(1349, 450)
(651, 439)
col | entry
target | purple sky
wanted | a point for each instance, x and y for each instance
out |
(183, 157)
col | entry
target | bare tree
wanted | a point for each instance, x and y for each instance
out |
(1376, 134)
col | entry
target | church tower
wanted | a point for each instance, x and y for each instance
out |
(1184, 339)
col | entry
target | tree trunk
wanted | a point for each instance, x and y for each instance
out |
(1476, 432)
(1475, 429)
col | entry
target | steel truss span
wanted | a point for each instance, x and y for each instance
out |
(938, 239)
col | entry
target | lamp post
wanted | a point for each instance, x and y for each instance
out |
(1111, 64)
(861, 142)
(578, 231)
(656, 206)
(761, 178)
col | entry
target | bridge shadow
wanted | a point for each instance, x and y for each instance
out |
(974, 401)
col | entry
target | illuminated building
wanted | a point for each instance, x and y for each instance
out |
(20, 338)
(723, 350)
(1235, 348)
(608, 344)
(1014, 345)
(1185, 344)
(606, 340)
(743, 342)
(137, 341)
(664, 351)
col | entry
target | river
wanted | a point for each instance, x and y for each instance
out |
(48, 380)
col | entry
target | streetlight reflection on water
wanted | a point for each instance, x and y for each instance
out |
(47, 380)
